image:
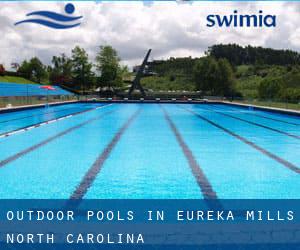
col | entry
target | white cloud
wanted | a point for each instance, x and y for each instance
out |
(169, 28)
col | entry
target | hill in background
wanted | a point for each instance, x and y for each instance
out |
(261, 73)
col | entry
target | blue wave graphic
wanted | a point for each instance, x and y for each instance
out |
(54, 16)
(48, 24)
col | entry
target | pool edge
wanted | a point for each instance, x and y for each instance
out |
(34, 106)
(242, 105)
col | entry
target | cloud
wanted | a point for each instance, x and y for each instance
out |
(169, 28)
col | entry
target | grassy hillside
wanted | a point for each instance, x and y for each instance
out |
(249, 79)
(165, 83)
(15, 79)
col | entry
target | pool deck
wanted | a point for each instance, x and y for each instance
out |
(265, 108)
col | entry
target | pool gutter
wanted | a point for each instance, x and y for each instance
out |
(263, 108)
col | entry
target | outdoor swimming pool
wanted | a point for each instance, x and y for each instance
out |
(96, 151)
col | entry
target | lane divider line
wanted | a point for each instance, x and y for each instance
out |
(94, 170)
(262, 116)
(50, 139)
(256, 124)
(13, 132)
(38, 114)
(201, 179)
(280, 160)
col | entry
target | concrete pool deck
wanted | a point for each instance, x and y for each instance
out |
(265, 108)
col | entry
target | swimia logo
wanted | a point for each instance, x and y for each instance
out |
(54, 20)
(239, 20)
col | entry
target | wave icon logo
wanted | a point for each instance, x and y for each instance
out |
(54, 20)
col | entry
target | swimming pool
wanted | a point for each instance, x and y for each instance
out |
(173, 151)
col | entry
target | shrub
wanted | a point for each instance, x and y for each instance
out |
(172, 78)
(269, 88)
(290, 95)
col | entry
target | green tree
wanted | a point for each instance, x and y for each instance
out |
(38, 70)
(224, 83)
(270, 88)
(205, 74)
(33, 70)
(213, 76)
(83, 76)
(108, 65)
(238, 55)
(25, 69)
(61, 71)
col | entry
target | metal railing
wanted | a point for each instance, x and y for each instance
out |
(15, 101)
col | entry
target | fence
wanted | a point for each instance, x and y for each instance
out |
(287, 104)
(14, 94)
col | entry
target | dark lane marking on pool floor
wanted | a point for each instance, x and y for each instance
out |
(262, 116)
(201, 179)
(94, 170)
(50, 139)
(36, 125)
(256, 124)
(38, 114)
(280, 160)
(273, 119)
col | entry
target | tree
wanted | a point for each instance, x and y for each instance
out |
(33, 70)
(81, 69)
(224, 84)
(238, 55)
(108, 65)
(2, 70)
(38, 70)
(25, 69)
(214, 76)
(270, 88)
(205, 73)
(61, 71)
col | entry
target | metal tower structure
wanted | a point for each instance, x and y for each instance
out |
(136, 82)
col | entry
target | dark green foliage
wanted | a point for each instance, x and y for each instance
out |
(172, 78)
(61, 71)
(25, 69)
(108, 65)
(179, 66)
(238, 55)
(164, 83)
(205, 73)
(83, 77)
(278, 89)
(33, 70)
(213, 76)
(281, 83)
(270, 88)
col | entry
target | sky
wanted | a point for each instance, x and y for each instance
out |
(171, 29)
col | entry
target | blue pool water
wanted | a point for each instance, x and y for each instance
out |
(149, 151)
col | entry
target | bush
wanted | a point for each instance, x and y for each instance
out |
(213, 76)
(270, 88)
(2, 70)
(172, 78)
(290, 95)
